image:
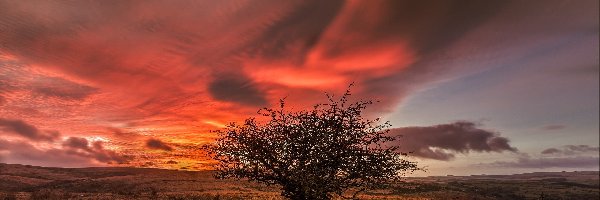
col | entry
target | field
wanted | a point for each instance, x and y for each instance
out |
(30, 182)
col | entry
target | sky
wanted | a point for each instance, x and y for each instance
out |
(473, 87)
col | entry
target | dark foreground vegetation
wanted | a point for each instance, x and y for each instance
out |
(318, 154)
(29, 182)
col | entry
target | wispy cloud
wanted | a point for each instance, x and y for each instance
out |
(554, 162)
(568, 156)
(76, 152)
(157, 144)
(571, 150)
(20, 128)
(95, 150)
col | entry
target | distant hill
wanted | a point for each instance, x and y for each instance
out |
(121, 182)
(31, 182)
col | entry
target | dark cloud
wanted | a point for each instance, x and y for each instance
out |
(25, 153)
(73, 154)
(440, 142)
(76, 142)
(541, 163)
(171, 162)
(296, 27)
(28, 131)
(553, 127)
(427, 27)
(551, 151)
(149, 164)
(126, 135)
(80, 146)
(237, 89)
(107, 156)
(572, 150)
(157, 144)
(61, 88)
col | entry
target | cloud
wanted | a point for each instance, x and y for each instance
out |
(24, 153)
(171, 162)
(149, 164)
(296, 33)
(551, 151)
(237, 89)
(553, 127)
(441, 142)
(541, 163)
(176, 66)
(79, 146)
(76, 143)
(431, 28)
(61, 88)
(568, 156)
(128, 53)
(157, 144)
(582, 148)
(75, 153)
(19, 77)
(571, 150)
(28, 131)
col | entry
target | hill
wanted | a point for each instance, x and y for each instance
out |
(31, 182)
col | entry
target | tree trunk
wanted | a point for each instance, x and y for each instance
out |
(295, 192)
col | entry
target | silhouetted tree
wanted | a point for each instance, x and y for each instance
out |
(312, 154)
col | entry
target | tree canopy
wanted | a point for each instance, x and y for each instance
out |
(315, 153)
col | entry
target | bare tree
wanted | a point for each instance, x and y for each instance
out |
(312, 154)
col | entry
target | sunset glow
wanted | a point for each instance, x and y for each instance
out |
(116, 83)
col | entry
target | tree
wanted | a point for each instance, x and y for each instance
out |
(312, 154)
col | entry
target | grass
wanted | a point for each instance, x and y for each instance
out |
(27, 182)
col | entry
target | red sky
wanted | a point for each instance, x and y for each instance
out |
(86, 83)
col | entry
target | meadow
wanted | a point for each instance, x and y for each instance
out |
(31, 182)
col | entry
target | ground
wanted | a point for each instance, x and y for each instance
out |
(30, 182)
